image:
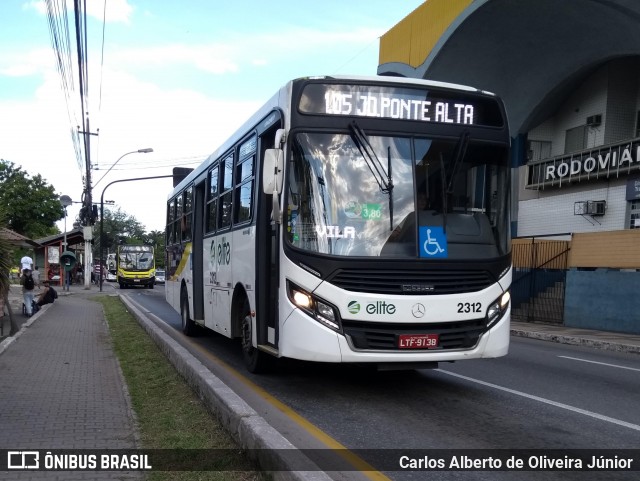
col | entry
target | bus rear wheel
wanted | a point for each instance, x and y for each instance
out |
(255, 360)
(188, 326)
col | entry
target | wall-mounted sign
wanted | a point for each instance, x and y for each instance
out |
(611, 161)
(53, 255)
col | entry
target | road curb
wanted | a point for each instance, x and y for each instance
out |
(250, 430)
(577, 341)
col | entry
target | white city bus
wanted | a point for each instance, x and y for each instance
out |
(351, 220)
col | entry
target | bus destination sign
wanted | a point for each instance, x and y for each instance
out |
(398, 103)
(386, 106)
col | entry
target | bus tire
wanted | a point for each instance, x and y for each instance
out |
(255, 360)
(188, 326)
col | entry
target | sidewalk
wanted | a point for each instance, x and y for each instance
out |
(611, 341)
(62, 388)
(61, 385)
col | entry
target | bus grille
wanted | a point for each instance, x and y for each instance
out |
(384, 336)
(411, 282)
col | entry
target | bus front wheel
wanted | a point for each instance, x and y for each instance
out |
(188, 326)
(255, 360)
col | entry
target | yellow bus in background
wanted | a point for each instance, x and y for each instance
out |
(136, 266)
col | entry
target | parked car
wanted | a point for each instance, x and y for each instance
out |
(159, 276)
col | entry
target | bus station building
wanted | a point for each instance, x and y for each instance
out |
(569, 75)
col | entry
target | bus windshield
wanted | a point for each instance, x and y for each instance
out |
(135, 259)
(398, 196)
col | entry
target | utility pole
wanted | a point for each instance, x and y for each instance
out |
(87, 219)
(83, 77)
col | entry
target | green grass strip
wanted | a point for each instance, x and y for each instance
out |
(169, 414)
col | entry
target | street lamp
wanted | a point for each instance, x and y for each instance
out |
(66, 201)
(139, 151)
(102, 263)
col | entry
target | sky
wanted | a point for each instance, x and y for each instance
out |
(177, 77)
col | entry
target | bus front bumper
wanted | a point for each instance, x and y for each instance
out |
(130, 281)
(306, 339)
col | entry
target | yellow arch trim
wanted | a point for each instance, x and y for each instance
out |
(414, 37)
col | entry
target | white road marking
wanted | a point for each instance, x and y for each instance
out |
(601, 363)
(600, 417)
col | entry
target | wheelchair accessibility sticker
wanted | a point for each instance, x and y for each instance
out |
(433, 242)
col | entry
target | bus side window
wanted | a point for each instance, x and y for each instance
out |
(176, 223)
(171, 215)
(244, 190)
(212, 200)
(185, 224)
(226, 201)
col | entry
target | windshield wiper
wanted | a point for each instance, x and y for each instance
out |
(458, 154)
(373, 162)
(448, 179)
(443, 192)
(382, 178)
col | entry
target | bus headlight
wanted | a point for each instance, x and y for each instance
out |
(498, 308)
(302, 299)
(320, 310)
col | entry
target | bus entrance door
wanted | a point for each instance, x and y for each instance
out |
(197, 254)
(267, 271)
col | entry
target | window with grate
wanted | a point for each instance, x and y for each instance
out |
(634, 214)
(575, 139)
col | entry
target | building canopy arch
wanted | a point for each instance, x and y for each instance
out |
(530, 52)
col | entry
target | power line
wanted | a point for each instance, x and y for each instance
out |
(80, 12)
(60, 42)
(104, 17)
(104, 22)
(195, 159)
(135, 167)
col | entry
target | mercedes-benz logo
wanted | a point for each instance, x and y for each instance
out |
(418, 310)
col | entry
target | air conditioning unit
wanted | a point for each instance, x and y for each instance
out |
(594, 120)
(596, 207)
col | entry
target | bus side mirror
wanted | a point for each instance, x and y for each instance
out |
(272, 171)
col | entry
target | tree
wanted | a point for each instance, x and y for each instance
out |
(32, 205)
(156, 238)
(118, 228)
(122, 228)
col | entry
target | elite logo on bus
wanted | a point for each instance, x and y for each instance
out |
(220, 252)
(378, 307)
(353, 307)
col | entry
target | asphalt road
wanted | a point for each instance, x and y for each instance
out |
(541, 396)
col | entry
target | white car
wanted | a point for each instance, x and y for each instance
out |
(159, 276)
